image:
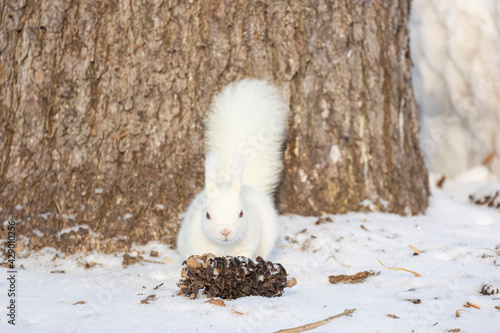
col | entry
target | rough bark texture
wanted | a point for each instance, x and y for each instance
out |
(102, 106)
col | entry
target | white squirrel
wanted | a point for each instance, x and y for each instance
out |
(234, 214)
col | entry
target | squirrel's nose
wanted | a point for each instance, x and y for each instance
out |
(225, 232)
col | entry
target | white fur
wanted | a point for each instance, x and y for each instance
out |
(249, 117)
(245, 131)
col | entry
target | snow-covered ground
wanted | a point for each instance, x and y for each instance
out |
(457, 240)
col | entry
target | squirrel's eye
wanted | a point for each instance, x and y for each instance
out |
(241, 213)
(208, 216)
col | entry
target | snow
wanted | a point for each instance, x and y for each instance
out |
(368, 204)
(75, 229)
(455, 47)
(45, 216)
(335, 154)
(457, 238)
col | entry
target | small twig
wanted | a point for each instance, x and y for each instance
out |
(58, 208)
(303, 328)
(167, 259)
(440, 182)
(417, 251)
(488, 159)
(158, 286)
(485, 248)
(400, 269)
(153, 261)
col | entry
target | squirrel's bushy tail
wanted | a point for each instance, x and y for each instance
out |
(249, 118)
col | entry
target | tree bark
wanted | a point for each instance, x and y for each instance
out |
(102, 108)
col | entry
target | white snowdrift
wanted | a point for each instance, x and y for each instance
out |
(455, 47)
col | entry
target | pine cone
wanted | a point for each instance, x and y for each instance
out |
(231, 277)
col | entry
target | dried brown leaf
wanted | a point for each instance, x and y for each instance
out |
(356, 278)
(323, 219)
(470, 305)
(129, 260)
(148, 299)
(89, 265)
(414, 300)
(392, 316)
(218, 302)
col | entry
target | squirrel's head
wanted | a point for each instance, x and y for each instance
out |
(223, 217)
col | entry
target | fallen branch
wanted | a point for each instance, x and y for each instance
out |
(400, 269)
(303, 328)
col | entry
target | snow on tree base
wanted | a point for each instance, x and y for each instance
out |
(232, 277)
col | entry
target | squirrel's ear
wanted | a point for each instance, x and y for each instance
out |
(211, 162)
(236, 170)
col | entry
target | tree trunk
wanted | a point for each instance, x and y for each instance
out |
(102, 108)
